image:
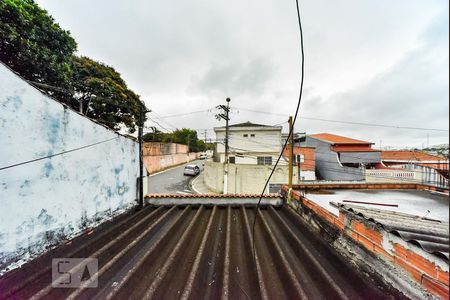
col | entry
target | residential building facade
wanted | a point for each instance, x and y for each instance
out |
(249, 143)
(341, 158)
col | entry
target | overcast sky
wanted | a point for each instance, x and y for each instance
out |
(383, 61)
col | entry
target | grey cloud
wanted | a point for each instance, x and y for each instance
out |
(251, 77)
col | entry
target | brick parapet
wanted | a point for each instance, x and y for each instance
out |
(427, 270)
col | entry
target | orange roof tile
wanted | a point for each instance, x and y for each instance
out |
(337, 139)
(410, 155)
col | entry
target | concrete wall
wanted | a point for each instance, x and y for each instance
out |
(160, 156)
(46, 201)
(398, 176)
(328, 166)
(245, 179)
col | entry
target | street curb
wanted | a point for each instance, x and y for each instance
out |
(192, 184)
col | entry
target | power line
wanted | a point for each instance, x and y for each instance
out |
(57, 154)
(156, 122)
(164, 121)
(185, 114)
(348, 122)
(291, 127)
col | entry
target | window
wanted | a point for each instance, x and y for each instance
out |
(299, 158)
(264, 160)
(252, 135)
(245, 135)
(274, 188)
(232, 160)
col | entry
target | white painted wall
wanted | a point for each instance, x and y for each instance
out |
(245, 179)
(266, 141)
(45, 201)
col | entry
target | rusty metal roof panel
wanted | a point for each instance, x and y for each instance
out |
(201, 252)
(431, 235)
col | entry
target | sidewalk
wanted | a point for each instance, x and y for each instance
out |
(199, 187)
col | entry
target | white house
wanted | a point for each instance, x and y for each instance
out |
(249, 143)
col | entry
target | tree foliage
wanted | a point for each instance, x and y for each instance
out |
(35, 46)
(183, 136)
(103, 95)
(32, 44)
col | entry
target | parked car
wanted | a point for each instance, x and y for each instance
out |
(191, 170)
(203, 156)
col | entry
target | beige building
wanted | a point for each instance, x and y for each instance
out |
(249, 143)
(253, 150)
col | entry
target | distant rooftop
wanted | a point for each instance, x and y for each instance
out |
(410, 155)
(337, 139)
(250, 124)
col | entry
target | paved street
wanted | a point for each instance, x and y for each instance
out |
(172, 181)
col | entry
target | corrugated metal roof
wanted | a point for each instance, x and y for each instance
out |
(431, 235)
(203, 252)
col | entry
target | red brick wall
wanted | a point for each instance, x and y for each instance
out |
(419, 268)
(308, 153)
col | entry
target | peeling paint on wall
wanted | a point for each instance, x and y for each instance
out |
(47, 201)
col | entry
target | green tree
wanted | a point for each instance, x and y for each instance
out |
(33, 45)
(103, 95)
(154, 136)
(179, 136)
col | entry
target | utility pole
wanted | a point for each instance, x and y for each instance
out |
(188, 142)
(225, 116)
(291, 152)
(205, 136)
(141, 156)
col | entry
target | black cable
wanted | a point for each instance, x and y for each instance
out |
(156, 122)
(290, 129)
(184, 114)
(347, 122)
(57, 154)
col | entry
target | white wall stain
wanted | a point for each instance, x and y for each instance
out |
(52, 199)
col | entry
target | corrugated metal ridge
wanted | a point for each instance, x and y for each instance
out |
(205, 253)
(430, 235)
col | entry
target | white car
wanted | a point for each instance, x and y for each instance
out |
(191, 170)
(203, 156)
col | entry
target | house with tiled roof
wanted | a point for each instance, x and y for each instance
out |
(342, 158)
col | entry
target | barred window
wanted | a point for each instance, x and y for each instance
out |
(264, 160)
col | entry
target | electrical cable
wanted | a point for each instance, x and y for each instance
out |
(57, 154)
(185, 114)
(347, 122)
(336, 169)
(156, 122)
(322, 160)
(290, 129)
(157, 116)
